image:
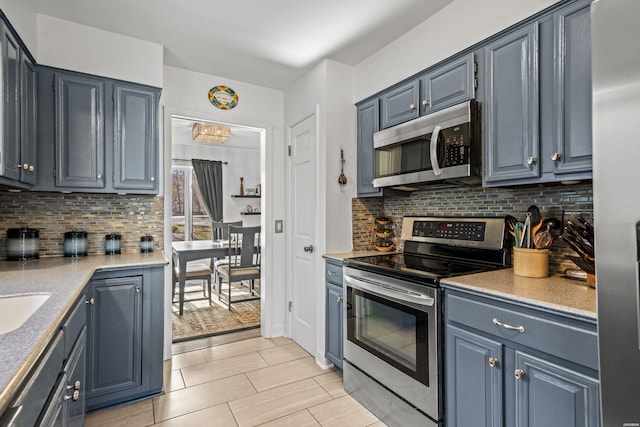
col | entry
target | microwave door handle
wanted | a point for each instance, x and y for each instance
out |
(433, 151)
(389, 291)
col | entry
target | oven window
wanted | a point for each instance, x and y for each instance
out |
(393, 332)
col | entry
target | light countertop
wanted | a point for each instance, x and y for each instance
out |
(63, 279)
(341, 256)
(571, 298)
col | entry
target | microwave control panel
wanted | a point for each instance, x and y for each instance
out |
(456, 142)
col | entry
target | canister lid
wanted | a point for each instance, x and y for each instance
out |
(23, 233)
(75, 234)
(147, 238)
(113, 236)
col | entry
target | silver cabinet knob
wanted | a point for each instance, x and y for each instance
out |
(75, 396)
(518, 374)
(152, 179)
(338, 298)
(425, 102)
(493, 362)
(333, 273)
(412, 106)
(555, 156)
(99, 176)
(531, 160)
(31, 168)
(308, 248)
(90, 301)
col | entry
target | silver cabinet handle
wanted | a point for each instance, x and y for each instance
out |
(90, 301)
(338, 298)
(333, 273)
(555, 156)
(531, 160)
(412, 106)
(518, 374)
(308, 248)
(493, 362)
(508, 326)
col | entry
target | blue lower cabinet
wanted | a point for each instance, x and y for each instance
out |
(125, 346)
(333, 313)
(494, 379)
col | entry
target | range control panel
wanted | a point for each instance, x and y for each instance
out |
(458, 230)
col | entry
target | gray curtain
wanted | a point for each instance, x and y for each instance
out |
(209, 177)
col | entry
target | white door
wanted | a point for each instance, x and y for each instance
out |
(302, 208)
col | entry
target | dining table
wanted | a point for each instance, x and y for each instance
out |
(194, 250)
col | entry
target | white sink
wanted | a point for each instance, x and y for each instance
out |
(16, 309)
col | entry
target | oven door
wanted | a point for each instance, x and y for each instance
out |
(392, 334)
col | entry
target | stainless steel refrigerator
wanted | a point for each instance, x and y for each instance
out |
(615, 41)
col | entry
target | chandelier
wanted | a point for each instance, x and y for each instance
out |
(208, 132)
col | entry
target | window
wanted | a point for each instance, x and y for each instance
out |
(189, 219)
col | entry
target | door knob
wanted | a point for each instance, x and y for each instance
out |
(308, 248)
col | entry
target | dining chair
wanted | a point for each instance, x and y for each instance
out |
(243, 263)
(220, 229)
(196, 270)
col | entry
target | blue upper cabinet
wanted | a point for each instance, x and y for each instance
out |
(448, 85)
(19, 96)
(135, 137)
(511, 107)
(102, 133)
(572, 89)
(400, 104)
(368, 123)
(537, 100)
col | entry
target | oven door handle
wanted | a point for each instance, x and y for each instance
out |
(383, 289)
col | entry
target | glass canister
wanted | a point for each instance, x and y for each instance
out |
(75, 243)
(23, 243)
(146, 243)
(112, 244)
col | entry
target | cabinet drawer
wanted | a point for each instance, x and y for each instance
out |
(565, 338)
(333, 273)
(36, 393)
(73, 325)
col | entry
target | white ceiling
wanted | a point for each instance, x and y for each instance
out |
(265, 42)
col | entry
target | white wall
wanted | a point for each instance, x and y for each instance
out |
(456, 27)
(185, 95)
(22, 16)
(327, 89)
(72, 46)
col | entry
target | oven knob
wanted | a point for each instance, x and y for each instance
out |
(493, 362)
(518, 373)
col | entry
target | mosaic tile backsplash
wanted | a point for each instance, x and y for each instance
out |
(53, 214)
(444, 200)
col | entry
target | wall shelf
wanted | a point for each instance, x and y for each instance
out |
(245, 196)
(250, 213)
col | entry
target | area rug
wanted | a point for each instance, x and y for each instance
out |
(203, 320)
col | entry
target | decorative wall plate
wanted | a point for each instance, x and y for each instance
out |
(223, 97)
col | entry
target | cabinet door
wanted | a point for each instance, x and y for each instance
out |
(448, 85)
(572, 89)
(548, 394)
(10, 106)
(28, 130)
(115, 335)
(334, 324)
(368, 124)
(135, 137)
(400, 104)
(473, 379)
(79, 123)
(512, 106)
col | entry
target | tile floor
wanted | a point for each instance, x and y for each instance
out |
(253, 382)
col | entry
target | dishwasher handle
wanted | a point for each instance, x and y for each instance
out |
(383, 289)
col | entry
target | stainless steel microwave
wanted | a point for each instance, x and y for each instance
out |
(445, 145)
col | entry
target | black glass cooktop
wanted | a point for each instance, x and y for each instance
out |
(418, 267)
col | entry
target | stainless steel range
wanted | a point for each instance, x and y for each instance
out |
(393, 351)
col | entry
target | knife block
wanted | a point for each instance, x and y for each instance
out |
(531, 262)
